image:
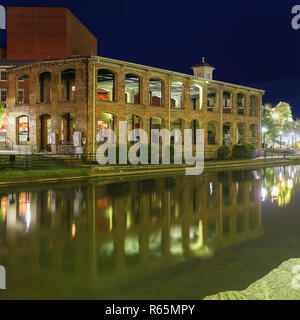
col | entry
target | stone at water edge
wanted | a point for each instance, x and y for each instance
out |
(230, 295)
(276, 285)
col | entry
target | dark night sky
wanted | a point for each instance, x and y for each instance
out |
(249, 42)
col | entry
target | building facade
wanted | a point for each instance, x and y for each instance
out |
(51, 101)
(90, 94)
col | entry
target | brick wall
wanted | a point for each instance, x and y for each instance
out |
(46, 33)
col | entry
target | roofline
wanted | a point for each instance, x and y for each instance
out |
(172, 73)
(98, 59)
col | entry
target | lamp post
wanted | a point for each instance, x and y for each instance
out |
(280, 133)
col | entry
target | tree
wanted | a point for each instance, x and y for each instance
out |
(2, 111)
(279, 118)
(269, 123)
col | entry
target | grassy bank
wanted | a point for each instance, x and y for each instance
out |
(39, 173)
(63, 173)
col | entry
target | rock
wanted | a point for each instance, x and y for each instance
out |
(280, 284)
(230, 295)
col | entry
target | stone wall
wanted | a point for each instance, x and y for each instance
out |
(85, 109)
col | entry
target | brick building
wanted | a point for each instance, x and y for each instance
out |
(48, 100)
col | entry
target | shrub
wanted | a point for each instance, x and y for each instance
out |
(243, 151)
(223, 152)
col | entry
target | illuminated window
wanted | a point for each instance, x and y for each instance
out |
(105, 121)
(106, 85)
(155, 92)
(23, 130)
(176, 95)
(132, 89)
(196, 97)
(211, 100)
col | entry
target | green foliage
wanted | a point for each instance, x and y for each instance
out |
(243, 151)
(277, 119)
(2, 111)
(33, 148)
(223, 152)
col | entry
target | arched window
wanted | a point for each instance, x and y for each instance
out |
(105, 121)
(133, 122)
(227, 134)
(45, 80)
(156, 123)
(176, 94)
(132, 89)
(253, 106)
(227, 103)
(212, 133)
(212, 100)
(194, 126)
(23, 90)
(155, 92)
(67, 128)
(196, 97)
(241, 133)
(22, 123)
(106, 85)
(241, 103)
(176, 124)
(67, 89)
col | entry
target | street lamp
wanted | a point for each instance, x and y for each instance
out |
(280, 133)
(264, 130)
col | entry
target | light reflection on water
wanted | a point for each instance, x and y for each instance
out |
(123, 240)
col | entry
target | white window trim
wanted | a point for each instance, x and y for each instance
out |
(23, 95)
(1, 95)
(3, 70)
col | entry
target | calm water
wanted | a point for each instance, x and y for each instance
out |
(167, 238)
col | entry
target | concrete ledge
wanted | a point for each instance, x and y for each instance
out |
(151, 170)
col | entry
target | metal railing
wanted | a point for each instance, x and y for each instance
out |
(6, 143)
(42, 161)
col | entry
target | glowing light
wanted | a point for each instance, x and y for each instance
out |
(211, 190)
(73, 230)
(276, 115)
(280, 133)
(290, 184)
(275, 192)
(264, 130)
(264, 193)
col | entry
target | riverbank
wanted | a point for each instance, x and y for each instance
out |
(73, 173)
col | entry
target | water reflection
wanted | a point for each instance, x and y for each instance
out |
(97, 233)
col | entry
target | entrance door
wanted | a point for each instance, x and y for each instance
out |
(46, 133)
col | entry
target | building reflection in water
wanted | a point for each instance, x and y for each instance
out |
(115, 228)
(279, 184)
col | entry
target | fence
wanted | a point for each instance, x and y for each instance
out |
(42, 161)
(6, 143)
